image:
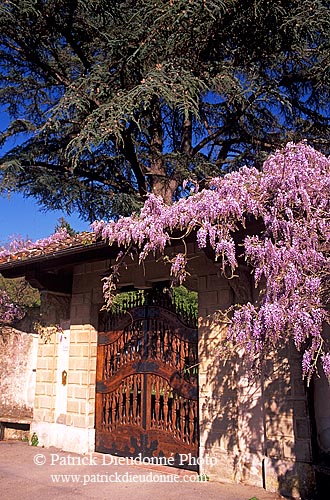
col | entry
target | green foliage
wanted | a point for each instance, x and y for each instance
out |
(111, 100)
(123, 299)
(64, 224)
(187, 300)
(34, 440)
(20, 292)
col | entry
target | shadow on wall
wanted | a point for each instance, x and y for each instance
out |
(256, 426)
(320, 405)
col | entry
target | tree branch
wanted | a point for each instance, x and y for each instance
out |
(130, 155)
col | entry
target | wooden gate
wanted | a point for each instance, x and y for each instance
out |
(146, 389)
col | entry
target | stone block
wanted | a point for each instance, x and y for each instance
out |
(298, 387)
(82, 283)
(78, 421)
(92, 373)
(79, 350)
(202, 284)
(224, 299)
(40, 388)
(50, 389)
(302, 450)
(68, 419)
(81, 313)
(91, 421)
(231, 467)
(38, 414)
(46, 402)
(77, 299)
(288, 448)
(74, 378)
(79, 269)
(81, 336)
(46, 350)
(300, 408)
(278, 425)
(100, 265)
(45, 376)
(83, 408)
(294, 480)
(81, 392)
(51, 363)
(42, 363)
(72, 406)
(84, 377)
(202, 313)
(70, 392)
(91, 392)
(206, 299)
(215, 282)
(78, 364)
(302, 428)
(88, 267)
(97, 296)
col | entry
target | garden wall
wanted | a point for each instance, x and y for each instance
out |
(18, 355)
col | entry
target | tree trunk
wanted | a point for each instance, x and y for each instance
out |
(161, 184)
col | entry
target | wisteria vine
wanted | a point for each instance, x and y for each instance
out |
(9, 311)
(289, 257)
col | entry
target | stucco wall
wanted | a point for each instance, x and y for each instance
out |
(18, 355)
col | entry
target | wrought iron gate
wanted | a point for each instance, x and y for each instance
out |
(146, 390)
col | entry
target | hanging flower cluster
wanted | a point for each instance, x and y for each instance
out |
(289, 257)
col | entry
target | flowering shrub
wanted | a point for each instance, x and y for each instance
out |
(289, 257)
(9, 312)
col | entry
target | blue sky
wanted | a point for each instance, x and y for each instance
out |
(23, 217)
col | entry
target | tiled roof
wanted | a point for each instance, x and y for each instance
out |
(47, 247)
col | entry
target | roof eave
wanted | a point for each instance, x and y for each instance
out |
(99, 250)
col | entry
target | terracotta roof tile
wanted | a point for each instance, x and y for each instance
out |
(47, 246)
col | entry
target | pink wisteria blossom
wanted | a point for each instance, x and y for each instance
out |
(288, 255)
(26, 246)
(9, 311)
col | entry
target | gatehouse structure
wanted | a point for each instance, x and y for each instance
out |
(149, 380)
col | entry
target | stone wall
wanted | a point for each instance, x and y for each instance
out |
(64, 415)
(65, 390)
(253, 429)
